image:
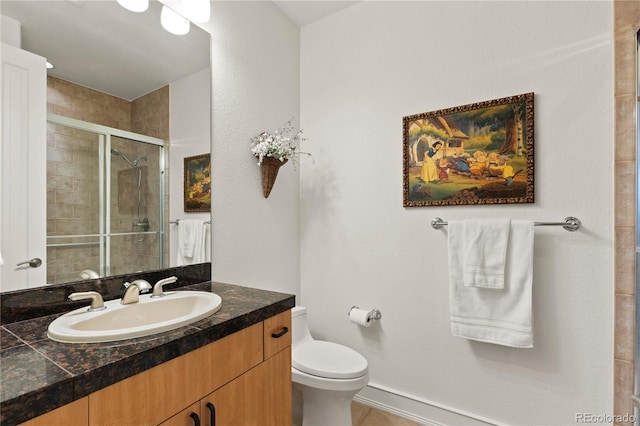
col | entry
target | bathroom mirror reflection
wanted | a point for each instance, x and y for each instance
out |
(107, 213)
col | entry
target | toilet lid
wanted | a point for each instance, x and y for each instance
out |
(330, 360)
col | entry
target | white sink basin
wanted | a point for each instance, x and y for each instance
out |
(148, 316)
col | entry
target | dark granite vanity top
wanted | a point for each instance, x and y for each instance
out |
(38, 374)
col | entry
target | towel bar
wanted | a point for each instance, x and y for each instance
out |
(570, 223)
(177, 222)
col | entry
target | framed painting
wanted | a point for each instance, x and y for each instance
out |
(197, 183)
(480, 153)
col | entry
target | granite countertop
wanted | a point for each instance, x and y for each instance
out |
(38, 375)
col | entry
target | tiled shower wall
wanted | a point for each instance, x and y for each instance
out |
(150, 114)
(72, 177)
(626, 25)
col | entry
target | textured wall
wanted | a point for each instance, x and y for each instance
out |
(255, 68)
(365, 68)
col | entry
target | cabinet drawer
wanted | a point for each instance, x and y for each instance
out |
(277, 333)
(170, 387)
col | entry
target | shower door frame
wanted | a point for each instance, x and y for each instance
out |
(105, 134)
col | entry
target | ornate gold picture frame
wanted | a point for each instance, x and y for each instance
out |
(480, 153)
(197, 183)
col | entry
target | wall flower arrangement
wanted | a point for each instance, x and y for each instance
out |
(273, 150)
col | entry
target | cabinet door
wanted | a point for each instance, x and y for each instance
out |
(277, 389)
(188, 417)
(75, 413)
(277, 333)
(260, 397)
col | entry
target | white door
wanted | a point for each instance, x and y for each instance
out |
(23, 174)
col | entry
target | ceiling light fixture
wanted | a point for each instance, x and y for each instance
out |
(196, 10)
(134, 5)
(173, 22)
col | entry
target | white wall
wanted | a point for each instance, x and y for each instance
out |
(255, 57)
(190, 135)
(365, 68)
(10, 31)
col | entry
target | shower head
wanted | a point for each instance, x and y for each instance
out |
(144, 157)
(125, 158)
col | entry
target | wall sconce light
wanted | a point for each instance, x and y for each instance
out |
(134, 5)
(174, 22)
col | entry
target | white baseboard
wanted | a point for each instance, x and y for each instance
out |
(417, 409)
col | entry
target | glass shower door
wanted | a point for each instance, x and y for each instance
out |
(105, 201)
(135, 214)
(73, 203)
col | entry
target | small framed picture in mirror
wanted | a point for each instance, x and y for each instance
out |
(197, 183)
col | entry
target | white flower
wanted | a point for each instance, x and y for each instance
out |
(281, 144)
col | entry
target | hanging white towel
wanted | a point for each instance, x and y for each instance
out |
(501, 317)
(485, 252)
(191, 236)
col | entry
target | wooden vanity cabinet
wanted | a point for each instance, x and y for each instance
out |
(245, 377)
(242, 375)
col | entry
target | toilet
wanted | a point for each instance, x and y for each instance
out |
(326, 376)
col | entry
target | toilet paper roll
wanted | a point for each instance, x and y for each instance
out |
(360, 317)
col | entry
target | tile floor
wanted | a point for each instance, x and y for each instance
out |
(363, 415)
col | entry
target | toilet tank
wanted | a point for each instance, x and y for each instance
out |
(299, 324)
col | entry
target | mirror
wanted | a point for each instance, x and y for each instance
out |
(101, 50)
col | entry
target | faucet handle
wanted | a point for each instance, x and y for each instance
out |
(157, 289)
(97, 304)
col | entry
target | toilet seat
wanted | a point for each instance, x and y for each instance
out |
(329, 360)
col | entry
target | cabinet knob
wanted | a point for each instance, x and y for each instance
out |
(196, 419)
(212, 413)
(284, 331)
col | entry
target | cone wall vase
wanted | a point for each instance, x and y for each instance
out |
(270, 167)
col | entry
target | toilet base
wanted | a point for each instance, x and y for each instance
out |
(321, 407)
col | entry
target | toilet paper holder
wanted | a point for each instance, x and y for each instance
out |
(373, 314)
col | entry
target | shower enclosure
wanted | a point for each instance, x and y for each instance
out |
(105, 201)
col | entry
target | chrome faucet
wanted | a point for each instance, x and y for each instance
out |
(132, 293)
(97, 304)
(157, 289)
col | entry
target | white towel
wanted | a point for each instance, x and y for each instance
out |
(191, 236)
(485, 252)
(501, 317)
